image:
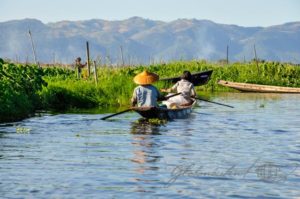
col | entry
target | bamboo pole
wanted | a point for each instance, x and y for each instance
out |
(17, 58)
(227, 61)
(122, 57)
(255, 52)
(33, 48)
(88, 58)
(95, 73)
(256, 59)
(54, 59)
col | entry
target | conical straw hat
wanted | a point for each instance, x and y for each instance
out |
(145, 78)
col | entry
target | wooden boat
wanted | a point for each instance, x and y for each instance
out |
(246, 87)
(198, 79)
(165, 113)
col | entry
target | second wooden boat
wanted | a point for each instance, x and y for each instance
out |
(198, 79)
(246, 87)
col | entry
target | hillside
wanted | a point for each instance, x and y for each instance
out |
(145, 41)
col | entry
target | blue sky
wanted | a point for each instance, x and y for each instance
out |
(239, 12)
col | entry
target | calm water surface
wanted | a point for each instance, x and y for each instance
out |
(251, 151)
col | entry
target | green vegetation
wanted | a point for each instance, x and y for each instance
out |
(20, 87)
(267, 73)
(18, 90)
(27, 88)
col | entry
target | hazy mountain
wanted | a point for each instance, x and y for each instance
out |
(142, 40)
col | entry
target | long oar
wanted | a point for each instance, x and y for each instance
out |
(106, 117)
(198, 98)
(167, 97)
(130, 109)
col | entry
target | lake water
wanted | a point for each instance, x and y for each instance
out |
(250, 151)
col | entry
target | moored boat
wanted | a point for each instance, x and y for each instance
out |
(198, 79)
(165, 113)
(246, 87)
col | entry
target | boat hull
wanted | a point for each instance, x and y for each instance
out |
(246, 87)
(165, 113)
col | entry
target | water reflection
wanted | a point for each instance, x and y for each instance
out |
(144, 143)
(146, 146)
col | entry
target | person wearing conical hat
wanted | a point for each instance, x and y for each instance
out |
(145, 94)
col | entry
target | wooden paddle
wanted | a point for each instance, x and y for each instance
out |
(130, 109)
(109, 116)
(198, 98)
(167, 97)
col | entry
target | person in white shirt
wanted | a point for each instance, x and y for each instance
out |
(185, 87)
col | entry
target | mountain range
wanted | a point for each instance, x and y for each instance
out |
(142, 41)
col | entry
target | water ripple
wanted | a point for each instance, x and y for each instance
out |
(246, 152)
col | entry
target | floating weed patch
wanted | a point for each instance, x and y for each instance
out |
(157, 121)
(22, 130)
(151, 121)
(147, 126)
(262, 106)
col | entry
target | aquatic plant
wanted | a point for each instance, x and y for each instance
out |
(18, 90)
(26, 88)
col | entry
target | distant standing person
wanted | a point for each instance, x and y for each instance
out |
(79, 66)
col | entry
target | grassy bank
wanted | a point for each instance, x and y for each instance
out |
(115, 85)
(26, 88)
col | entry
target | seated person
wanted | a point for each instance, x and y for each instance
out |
(185, 87)
(145, 94)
